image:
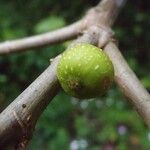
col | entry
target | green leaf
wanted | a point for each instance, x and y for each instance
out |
(49, 23)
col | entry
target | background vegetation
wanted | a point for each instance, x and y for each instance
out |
(68, 123)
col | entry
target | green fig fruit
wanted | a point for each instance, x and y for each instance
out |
(85, 71)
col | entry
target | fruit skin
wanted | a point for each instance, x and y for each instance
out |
(85, 71)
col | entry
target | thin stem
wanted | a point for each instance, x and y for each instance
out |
(129, 83)
(49, 38)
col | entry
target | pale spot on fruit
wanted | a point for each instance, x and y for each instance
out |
(64, 58)
(79, 65)
(82, 46)
(96, 67)
(66, 67)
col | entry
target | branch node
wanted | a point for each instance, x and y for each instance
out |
(20, 122)
(106, 35)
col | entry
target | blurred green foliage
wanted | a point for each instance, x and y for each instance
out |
(108, 122)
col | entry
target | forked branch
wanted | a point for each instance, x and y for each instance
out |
(17, 121)
(95, 16)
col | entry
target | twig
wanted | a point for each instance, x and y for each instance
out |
(129, 83)
(97, 16)
(49, 38)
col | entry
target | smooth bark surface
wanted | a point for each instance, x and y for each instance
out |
(49, 38)
(17, 121)
(129, 83)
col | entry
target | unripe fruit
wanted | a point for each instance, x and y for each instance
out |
(85, 71)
